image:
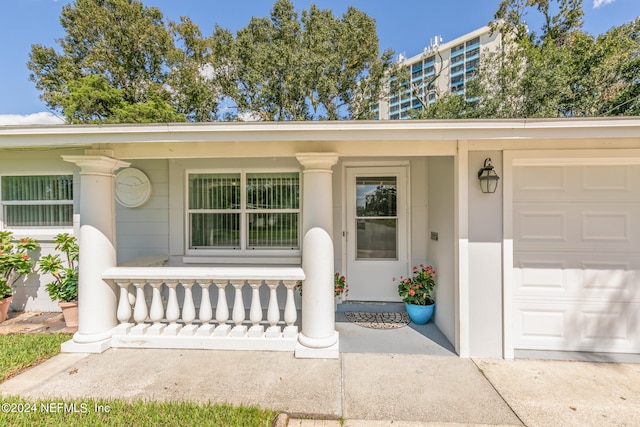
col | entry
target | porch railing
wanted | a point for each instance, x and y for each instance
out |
(151, 315)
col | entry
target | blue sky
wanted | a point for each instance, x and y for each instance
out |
(403, 25)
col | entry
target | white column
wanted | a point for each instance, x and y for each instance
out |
(318, 338)
(97, 299)
(317, 208)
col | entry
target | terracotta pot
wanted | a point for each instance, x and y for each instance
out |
(4, 308)
(70, 313)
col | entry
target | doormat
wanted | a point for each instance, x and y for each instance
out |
(378, 320)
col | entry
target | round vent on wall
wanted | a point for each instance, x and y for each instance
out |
(133, 188)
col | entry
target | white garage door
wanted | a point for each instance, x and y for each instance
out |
(577, 258)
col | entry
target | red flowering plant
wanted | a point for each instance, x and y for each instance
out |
(340, 285)
(418, 288)
(15, 261)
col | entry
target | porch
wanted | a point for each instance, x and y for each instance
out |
(240, 308)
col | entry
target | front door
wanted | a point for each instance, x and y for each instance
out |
(377, 238)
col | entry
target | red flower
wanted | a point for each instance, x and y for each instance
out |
(412, 292)
(24, 240)
(25, 256)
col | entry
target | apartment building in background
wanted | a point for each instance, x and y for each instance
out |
(451, 64)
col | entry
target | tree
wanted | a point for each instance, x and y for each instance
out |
(194, 77)
(119, 48)
(511, 15)
(563, 72)
(313, 66)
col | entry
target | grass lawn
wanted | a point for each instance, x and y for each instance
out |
(89, 412)
(20, 351)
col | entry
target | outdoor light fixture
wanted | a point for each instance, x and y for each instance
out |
(488, 177)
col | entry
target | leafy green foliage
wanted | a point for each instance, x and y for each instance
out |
(120, 62)
(340, 285)
(65, 272)
(418, 288)
(112, 65)
(313, 66)
(15, 261)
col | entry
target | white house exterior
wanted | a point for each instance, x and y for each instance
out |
(242, 211)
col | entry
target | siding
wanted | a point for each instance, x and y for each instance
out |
(144, 230)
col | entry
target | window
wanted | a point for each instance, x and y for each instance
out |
(473, 42)
(457, 48)
(37, 201)
(244, 210)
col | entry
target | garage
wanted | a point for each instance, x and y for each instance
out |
(575, 282)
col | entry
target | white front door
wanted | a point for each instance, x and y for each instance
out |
(377, 238)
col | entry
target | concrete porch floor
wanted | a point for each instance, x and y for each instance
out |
(411, 339)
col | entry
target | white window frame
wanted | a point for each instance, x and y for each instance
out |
(242, 254)
(45, 231)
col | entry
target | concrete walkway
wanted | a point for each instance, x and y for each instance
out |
(363, 389)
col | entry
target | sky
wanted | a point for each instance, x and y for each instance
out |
(406, 26)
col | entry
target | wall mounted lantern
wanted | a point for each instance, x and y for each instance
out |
(488, 177)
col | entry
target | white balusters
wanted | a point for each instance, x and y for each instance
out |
(156, 313)
(188, 310)
(140, 310)
(290, 312)
(124, 307)
(151, 314)
(222, 310)
(205, 314)
(273, 310)
(173, 309)
(255, 312)
(238, 315)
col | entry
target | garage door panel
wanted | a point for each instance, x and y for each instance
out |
(533, 182)
(579, 276)
(576, 326)
(611, 182)
(577, 183)
(576, 252)
(576, 227)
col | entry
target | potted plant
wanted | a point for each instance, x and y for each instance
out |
(64, 287)
(416, 293)
(15, 263)
(340, 286)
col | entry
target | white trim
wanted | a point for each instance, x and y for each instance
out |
(516, 158)
(507, 253)
(248, 260)
(461, 248)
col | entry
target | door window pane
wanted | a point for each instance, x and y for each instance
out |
(376, 217)
(376, 196)
(376, 238)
